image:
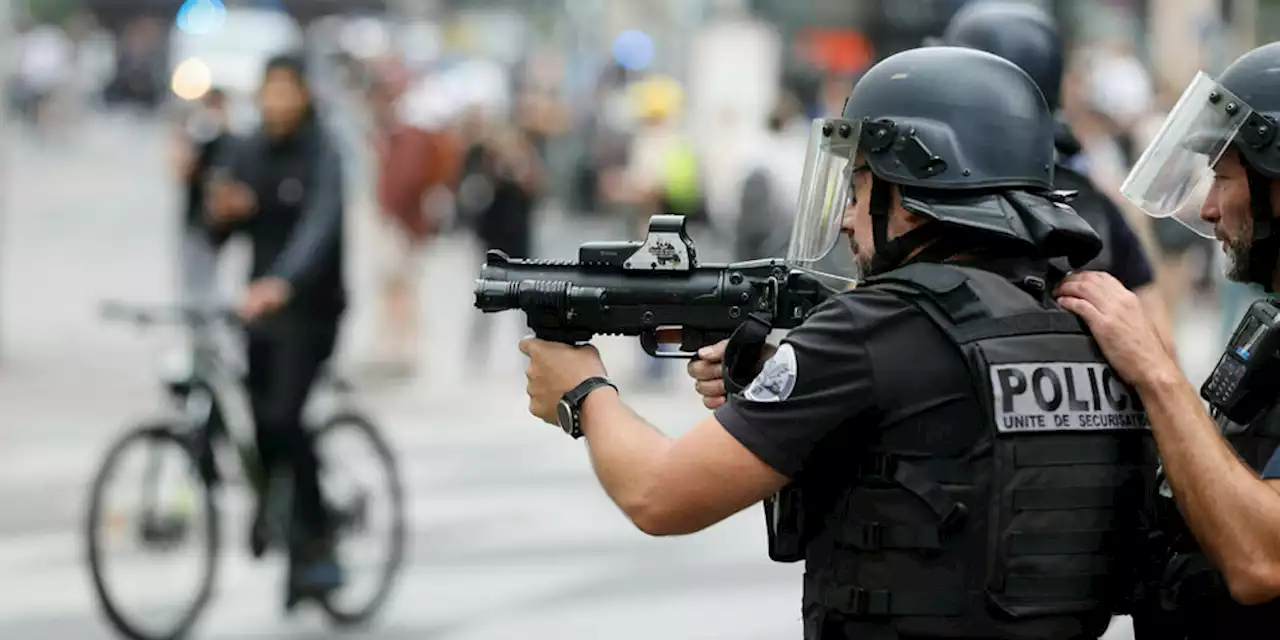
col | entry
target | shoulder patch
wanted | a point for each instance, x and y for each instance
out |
(776, 380)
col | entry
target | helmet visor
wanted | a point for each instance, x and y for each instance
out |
(824, 191)
(1173, 175)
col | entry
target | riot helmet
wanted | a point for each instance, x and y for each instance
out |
(1025, 35)
(1238, 113)
(968, 141)
(1016, 31)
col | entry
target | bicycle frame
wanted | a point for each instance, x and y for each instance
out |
(213, 383)
(208, 391)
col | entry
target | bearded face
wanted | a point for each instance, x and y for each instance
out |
(1227, 208)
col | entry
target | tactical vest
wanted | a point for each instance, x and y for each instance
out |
(1032, 530)
(1193, 601)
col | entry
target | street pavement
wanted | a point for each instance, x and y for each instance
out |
(510, 535)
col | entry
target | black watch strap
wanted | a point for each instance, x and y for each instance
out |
(572, 423)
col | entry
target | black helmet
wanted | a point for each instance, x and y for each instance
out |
(953, 118)
(1016, 31)
(1253, 79)
(969, 140)
(1023, 34)
(1240, 109)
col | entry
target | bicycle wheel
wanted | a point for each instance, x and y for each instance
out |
(351, 605)
(158, 520)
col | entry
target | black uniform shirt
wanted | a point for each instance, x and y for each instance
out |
(862, 359)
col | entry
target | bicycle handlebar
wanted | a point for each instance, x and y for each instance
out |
(189, 315)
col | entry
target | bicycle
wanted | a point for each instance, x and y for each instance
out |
(213, 417)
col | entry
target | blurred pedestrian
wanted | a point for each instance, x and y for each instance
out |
(141, 72)
(771, 187)
(203, 136)
(412, 163)
(663, 173)
(45, 60)
(501, 187)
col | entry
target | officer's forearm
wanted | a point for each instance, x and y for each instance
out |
(626, 453)
(1232, 512)
(1154, 308)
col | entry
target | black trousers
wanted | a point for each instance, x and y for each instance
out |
(285, 358)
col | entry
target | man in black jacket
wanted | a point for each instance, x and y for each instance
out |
(283, 188)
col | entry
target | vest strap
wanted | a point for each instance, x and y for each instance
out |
(943, 293)
(1033, 453)
(1084, 587)
(916, 477)
(855, 601)
(940, 470)
(1031, 543)
(1034, 323)
(958, 306)
(874, 536)
(1065, 498)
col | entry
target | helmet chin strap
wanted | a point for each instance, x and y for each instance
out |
(891, 254)
(1264, 247)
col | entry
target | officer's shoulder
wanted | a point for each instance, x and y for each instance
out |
(862, 302)
(935, 277)
(986, 284)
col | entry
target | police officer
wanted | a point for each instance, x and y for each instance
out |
(1028, 37)
(1221, 143)
(946, 451)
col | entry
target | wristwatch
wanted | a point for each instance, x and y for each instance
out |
(568, 412)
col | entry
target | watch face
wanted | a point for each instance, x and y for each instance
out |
(564, 415)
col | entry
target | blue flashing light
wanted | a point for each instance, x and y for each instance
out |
(633, 50)
(201, 17)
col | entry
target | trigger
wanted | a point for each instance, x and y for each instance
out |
(649, 342)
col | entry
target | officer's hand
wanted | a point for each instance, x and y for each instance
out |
(554, 370)
(1128, 339)
(708, 372)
